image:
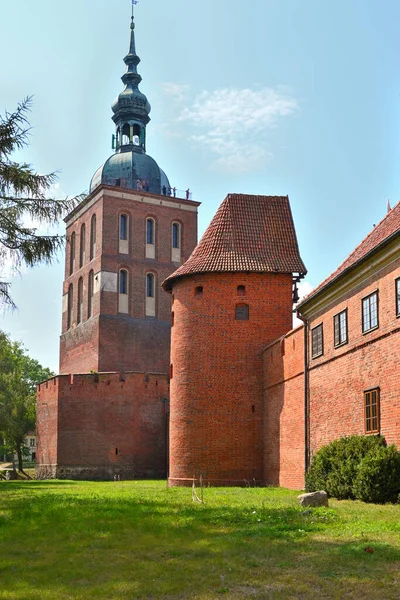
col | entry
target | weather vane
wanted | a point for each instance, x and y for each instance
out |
(134, 2)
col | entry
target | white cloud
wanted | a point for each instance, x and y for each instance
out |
(231, 123)
(178, 91)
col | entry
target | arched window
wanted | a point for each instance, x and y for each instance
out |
(150, 285)
(136, 134)
(82, 247)
(123, 227)
(176, 235)
(123, 281)
(126, 131)
(150, 295)
(80, 301)
(123, 234)
(150, 238)
(90, 293)
(150, 231)
(123, 296)
(72, 254)
(70, 306)
(176, 242)
(93, 237)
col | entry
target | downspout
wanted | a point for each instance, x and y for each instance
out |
(306, 395)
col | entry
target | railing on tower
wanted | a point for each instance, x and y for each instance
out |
(172, 192)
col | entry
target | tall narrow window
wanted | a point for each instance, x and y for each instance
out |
(241, 290)
(150, 285)
(72, 253)
(317, 341)
(340, 328)
(398, 296)
(150, 238)
(123, 234)
(93, 234)
(150, 231)
(90, 293)
(123, 281)
(176, 242)
(123, 296)
(80, 301)
(70, 306)
(82, 247)
(150, 295)
(123, 227)
(370, 312)
(372, 409)
(176, 235)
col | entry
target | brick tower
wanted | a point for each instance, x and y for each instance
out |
(123, 240)
(231, 298)
(106, 414)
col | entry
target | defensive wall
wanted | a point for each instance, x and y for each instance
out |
(98, 426)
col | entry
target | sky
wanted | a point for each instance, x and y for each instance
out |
(271, 97)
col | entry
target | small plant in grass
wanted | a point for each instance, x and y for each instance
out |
(378, 476)
(335, 467)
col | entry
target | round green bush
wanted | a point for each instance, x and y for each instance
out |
(378, 476)
(335, 466)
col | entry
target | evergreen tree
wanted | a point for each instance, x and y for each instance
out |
(23, 196)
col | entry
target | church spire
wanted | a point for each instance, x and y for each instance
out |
(131, 108)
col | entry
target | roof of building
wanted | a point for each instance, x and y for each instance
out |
(381, 234)
(248, 233)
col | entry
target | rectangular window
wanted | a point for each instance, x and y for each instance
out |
(370, 312)
(317, 341)
(372, 409)
(397, 282)
(340, 328)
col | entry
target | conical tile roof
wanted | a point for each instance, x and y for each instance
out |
(248, 233)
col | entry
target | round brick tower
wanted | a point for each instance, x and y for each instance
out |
(231, 298)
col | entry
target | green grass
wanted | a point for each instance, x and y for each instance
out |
(122, 540)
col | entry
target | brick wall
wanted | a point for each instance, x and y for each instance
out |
(340, 376)
(93, 427)
(284, 440)
(216, 389)
(117, 341)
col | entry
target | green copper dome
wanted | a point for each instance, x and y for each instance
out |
(130, 167)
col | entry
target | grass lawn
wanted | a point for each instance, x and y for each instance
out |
(121, 540)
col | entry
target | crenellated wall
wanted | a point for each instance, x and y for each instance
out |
(100, 425)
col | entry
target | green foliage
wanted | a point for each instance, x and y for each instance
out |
(378, 476)
(19, 375)
(69, 540)
(23, 198)
(335, 466)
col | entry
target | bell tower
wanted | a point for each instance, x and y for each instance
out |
(123, 240)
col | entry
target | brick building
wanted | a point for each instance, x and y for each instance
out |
(251, 399)
(107, 412)
(339, 373)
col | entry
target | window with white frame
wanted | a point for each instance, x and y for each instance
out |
(397, 282)
(317, 341)
(370, 312)
(340, 328)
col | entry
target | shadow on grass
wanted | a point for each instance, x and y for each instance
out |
(116, 541)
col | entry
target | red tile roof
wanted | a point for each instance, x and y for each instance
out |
(386, 229)
(248, 233)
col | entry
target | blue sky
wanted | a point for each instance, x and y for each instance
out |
(262, 97)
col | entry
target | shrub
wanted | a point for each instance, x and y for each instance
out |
(378, 476)
(335, 466)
